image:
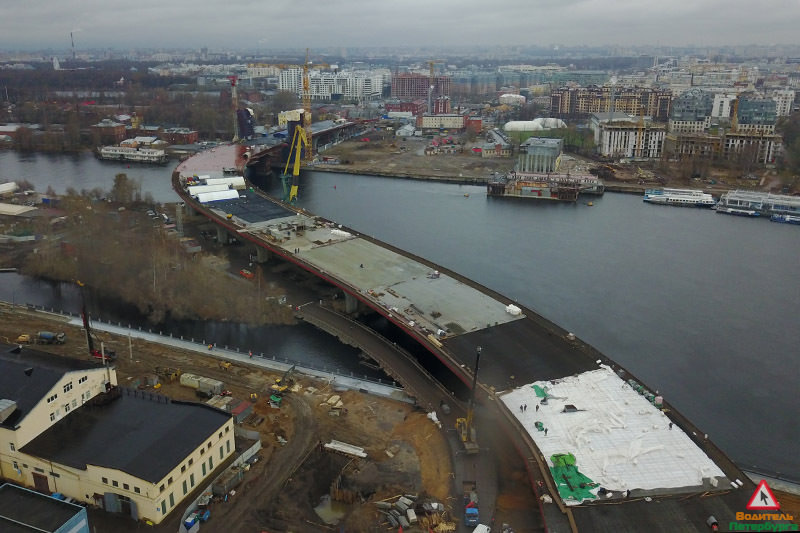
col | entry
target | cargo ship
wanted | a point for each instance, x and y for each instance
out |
(679, 197)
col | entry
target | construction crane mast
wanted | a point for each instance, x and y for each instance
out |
(465, 426)
(307, 108)
(640, 133)
(235, 104)
(291, 183)
(432, 82)
(735, 115)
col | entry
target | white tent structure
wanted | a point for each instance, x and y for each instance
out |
(538, 124)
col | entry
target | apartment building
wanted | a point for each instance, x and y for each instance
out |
(631, 140)
(412, 86)
(328, 86)
(584, 101)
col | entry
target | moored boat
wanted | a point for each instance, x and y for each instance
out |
(737, 211)
(132, 154)
(679, 197)
(785, 219)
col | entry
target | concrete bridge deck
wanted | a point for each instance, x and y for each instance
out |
(450, 316)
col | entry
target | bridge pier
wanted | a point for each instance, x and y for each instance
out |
(350, 303)
(262, 255)
(222, 235)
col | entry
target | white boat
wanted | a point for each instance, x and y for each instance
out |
(737, 211)
(679, 197)
(785, 219)
(133, 155)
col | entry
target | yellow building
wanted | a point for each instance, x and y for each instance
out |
(66, 427)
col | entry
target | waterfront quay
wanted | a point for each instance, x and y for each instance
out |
(451, 317)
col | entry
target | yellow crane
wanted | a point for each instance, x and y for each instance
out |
(306, 94)
(464, 425)
(432, 81)
(291, 183)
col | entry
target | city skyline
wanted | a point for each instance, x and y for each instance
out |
(347, 23)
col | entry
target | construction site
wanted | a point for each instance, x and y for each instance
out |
(332, 456)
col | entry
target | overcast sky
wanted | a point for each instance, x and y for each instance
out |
(239, 24)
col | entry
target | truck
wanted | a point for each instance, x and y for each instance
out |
(471, 513)
(48, 337)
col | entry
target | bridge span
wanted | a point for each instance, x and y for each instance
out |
(450, 316)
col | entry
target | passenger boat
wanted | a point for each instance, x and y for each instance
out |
(132, 155)
(679, 197)
(785, 219)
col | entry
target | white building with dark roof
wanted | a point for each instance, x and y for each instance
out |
(66, 427)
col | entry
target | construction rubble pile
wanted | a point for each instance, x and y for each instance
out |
(407, 510)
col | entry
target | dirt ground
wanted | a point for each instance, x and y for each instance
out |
(420, 458)
(386, 154)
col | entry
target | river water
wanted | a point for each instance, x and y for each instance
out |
(701, 306)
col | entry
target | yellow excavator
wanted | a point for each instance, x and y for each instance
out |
(283, 383)
(465, 426)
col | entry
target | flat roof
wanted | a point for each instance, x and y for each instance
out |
(140, 433)
(24, 510)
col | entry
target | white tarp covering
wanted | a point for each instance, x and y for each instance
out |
(8, 188)
(194, 190)
(205, 197)
(236, 182)
(513, 310)
(619, 439)
(14, 209)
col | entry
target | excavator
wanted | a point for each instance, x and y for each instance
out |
(290, 183)
(283, 383)
(464, 426)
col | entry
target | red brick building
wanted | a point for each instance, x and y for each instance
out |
(180, 136)
(417, 107)
(109, 132)
(415, 86)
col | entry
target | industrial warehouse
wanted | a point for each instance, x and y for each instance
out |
(67, 427)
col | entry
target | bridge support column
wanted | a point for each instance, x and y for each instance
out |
(350, 303)
(222, 235)
(262, 255)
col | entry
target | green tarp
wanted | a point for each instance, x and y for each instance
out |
(571, 484)
(540, 392)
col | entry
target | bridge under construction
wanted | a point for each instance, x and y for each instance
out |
(524, 360)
